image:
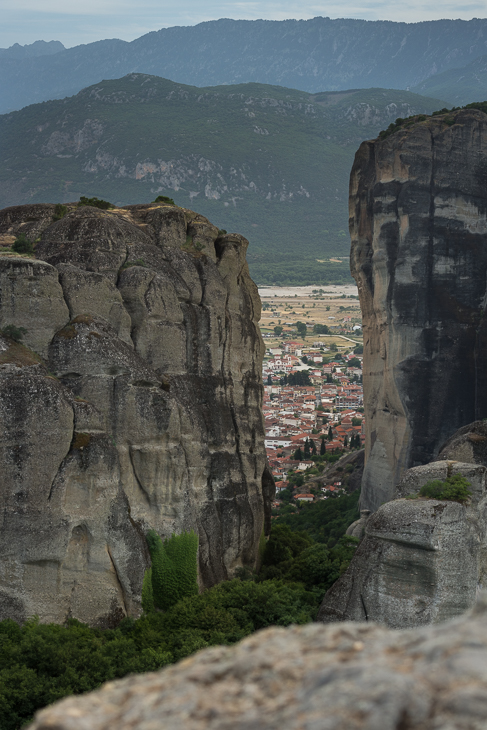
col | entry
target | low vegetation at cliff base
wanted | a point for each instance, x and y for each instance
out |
(174, 571)
(41, 663)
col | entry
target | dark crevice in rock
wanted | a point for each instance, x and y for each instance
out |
(364, 607)
(120, 584)
(137, 480)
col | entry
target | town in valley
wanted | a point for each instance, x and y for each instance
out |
(313, 394)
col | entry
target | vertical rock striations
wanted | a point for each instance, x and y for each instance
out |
(418, 221)
(132, 403)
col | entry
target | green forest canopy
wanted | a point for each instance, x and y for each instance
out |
(40, 663)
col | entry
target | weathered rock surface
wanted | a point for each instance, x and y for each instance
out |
(418, 221)
(421, 560)
(357, 528)
(340, 677)
(468, 444)
(133, 403)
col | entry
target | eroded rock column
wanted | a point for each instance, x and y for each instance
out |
(418, 222)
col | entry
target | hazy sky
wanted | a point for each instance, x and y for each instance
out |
(92, 20)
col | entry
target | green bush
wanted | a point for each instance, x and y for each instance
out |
(95, 203)
(324, 521)
(174, 568)
(164, 199)
(295, 558)
(15, 333)
(22, 245)
(432, 489)
(59, 212)
(453, 489)
(147, 592)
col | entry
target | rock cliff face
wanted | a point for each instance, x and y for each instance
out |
(340, 677)
(418, 221)
(133, 402)
(420, 561)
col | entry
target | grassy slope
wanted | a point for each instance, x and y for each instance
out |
(266, 161)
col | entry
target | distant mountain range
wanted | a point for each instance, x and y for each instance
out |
(266, 161)
(311, 55)
(32, 50)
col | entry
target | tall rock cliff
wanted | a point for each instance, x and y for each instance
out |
(418, 221)
(132, 403)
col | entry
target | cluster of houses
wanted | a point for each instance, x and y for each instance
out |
(297, 414)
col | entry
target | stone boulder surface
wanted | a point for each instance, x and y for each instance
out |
(418, 222)
(133, 402)
(468, 444)
(420, 560)
(350, 676)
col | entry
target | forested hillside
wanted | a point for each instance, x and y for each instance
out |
(268, 162)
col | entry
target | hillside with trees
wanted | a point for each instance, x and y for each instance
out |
(268, 162)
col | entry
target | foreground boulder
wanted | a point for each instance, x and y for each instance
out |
(339, 677)
(417, 220)
(132, 402)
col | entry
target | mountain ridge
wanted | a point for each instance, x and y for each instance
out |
(311, 55)
(37, 48)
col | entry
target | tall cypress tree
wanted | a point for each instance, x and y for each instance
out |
(330, 434)
(307, 453)
(322, 447)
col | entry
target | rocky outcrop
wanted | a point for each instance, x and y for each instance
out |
(468, 444)
(421, 560)
(341, 677)
(418, 221)
(357, 528)
(132, 403)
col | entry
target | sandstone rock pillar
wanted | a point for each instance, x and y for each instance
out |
(418, 223)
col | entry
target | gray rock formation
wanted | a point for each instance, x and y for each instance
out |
(340, 677)
(418, 211)
(468, 444)
(421, 560)
(357, 528)
(132, 403)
